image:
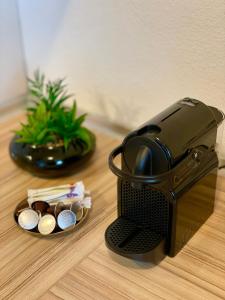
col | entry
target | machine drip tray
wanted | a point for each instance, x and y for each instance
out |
(126, 238)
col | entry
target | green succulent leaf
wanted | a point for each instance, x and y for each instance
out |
(78, 122)
(84, 135)
(48, 119)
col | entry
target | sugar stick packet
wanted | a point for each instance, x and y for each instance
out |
(68, 193)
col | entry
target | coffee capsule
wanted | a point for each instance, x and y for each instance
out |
(46, 224)
(79, 214)
(66, 218)
(40, 206)
(28, 219)
(58, 208)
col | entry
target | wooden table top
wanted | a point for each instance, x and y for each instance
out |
(79, 266)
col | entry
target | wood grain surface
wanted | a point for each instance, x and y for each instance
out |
(79, 266)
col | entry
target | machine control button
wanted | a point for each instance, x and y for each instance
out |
(189, 101)
(197, 156)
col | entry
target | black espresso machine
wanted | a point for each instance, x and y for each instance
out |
(166, 183)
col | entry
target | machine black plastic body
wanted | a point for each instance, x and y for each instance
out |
(164, 164)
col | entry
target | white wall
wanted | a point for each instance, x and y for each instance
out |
(128, 59)
(12, 67)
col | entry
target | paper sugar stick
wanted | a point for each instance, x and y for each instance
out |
(59, 193)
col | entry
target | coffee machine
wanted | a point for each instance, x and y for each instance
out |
(161, 202)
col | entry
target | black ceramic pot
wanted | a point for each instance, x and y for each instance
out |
(50, 160)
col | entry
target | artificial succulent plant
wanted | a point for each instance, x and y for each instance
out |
(49, 120)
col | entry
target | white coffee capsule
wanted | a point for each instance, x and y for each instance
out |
(66, 218)
(46, 224)
(28, 219)
(79, 214)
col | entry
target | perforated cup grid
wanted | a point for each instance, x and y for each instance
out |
(120, 230)
(143, 220)
(145, 206)
(124, 236)
(144, 241)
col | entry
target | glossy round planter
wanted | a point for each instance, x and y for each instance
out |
(50, 160)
